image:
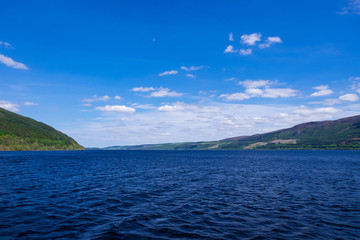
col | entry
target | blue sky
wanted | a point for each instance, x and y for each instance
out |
(134, 72)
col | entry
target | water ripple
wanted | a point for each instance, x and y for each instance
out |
(180, 195)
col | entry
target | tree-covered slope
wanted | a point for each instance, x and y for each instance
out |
(23, 133)
(339, 134)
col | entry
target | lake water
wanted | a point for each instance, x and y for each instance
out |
(180, 195)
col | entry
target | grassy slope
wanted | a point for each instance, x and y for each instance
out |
(340, 134)
(22, 133)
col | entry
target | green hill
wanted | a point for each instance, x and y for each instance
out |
(23, 133)
(339, 134)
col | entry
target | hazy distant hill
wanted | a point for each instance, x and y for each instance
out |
(22, 133)
(339, 134)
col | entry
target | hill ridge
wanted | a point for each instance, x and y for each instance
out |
(18, 132)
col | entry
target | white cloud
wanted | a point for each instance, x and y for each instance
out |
(279, 92)
(171, 72)
(251, 39)
(231, 37)
(143, 89)
(116, 109)
(86, 104)
(5, 44)
(143, 106)
(30, 104)
(245, 52)
(9, 106)
(264, 45)
(303, 110)
(181, 107)
(323, 90)
(171, 108)
(117, 98)
(192, 68)
(254, 91)
(275, 39)
(190, 75)
(354, 78)
(11, 63)
(230, 49)
(350, 97)
(255, 83)
(198, 122)
(269, 41)
(235, 96)
(352, 8)
(165, 92)
(95, 98)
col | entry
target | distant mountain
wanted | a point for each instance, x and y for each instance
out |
(339, 134)
(23, 133)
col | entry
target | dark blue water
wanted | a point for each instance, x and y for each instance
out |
(180, 195)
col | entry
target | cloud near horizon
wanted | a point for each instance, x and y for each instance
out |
(9, 106)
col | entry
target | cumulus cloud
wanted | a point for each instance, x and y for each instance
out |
(323, 90)
(231, 37)
(117, 98)
(254, 91)
(235, 96)
(259, 88)
(270, 41)
(350, 97)
(190, 75)
(9, 106)
(11, 63)
(245, 52)
(251, 39)
(255, 83)
(192, 68)
(171, 108)
(116, 109)
(166, 73)
(5, 44)
(142, 89)
(165, 92)
(278, 92)
(96, 98)
(274, 39)
(230, 49)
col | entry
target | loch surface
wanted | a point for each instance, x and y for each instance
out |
(180, 195)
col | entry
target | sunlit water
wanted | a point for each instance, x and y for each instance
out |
(180, 195)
